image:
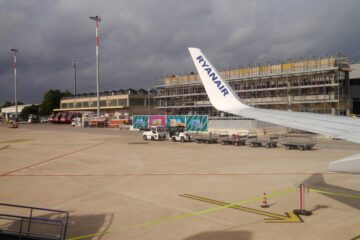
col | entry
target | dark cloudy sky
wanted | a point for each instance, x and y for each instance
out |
(144, 40)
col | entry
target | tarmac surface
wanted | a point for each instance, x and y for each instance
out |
(117, 186)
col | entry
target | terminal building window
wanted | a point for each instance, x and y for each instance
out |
(112, 102)
(71, 105)
(103, 103)
(93, 104)
(85, 104)
(78, 105)
(137, 102)
(64, 106)
(122, 102)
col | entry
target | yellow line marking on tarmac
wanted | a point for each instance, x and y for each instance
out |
(273, 217)
(209, 210)
(356, 238)
(334, 193)
(87, 236)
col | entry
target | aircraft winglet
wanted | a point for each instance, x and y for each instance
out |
(221, 95)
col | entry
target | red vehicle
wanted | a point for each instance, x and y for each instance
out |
(57, 118)
(70, 116)
(67, 117)
(51, 117)
(63, 117)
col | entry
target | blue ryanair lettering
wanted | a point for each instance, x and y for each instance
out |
(213, 76)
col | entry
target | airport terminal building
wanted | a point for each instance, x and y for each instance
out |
(128, 101)
(322, 85)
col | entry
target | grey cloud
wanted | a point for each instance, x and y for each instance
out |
(141, 40)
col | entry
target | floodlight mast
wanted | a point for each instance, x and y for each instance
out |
(15, 50)
(97, 19)
(74, 66)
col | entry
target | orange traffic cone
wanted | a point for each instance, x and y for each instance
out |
(264, 203)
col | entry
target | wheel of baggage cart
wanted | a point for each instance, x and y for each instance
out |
(267, 145)
(236, 143)
(173, 139)
(144, 137)
(207, 141)
(152, 138)
(222, 142)
(287, 147)
(182, 139)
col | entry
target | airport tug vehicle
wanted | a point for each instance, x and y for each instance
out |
(181, 137)
(178, 134)
(155, 133)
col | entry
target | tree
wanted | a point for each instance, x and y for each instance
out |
(24, 115)
(9, 104)
(52, 101)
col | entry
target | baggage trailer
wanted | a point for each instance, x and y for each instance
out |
(212, 137)
(271, 142)
(236, 139)
(300, 142)
(300, 146)
(252, 140)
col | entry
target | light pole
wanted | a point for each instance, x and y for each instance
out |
(74, 66)
(97, 19)
(15, 50)
(148, 101)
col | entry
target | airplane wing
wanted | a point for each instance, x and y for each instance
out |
(223, 98)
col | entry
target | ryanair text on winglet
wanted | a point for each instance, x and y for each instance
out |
(213, 76)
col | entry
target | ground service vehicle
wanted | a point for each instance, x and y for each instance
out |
(299, 142)
(172, 130)
(57, 117)
(271, 142)
(155, 133)
(236, 139)
(181, 136)
(51, 117)
(212, 137)
(253, 141)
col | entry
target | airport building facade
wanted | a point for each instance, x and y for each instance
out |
(130, 102)
(322, 85)
(9, 113)
(355, 87)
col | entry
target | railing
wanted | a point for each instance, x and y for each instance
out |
(20, 226)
